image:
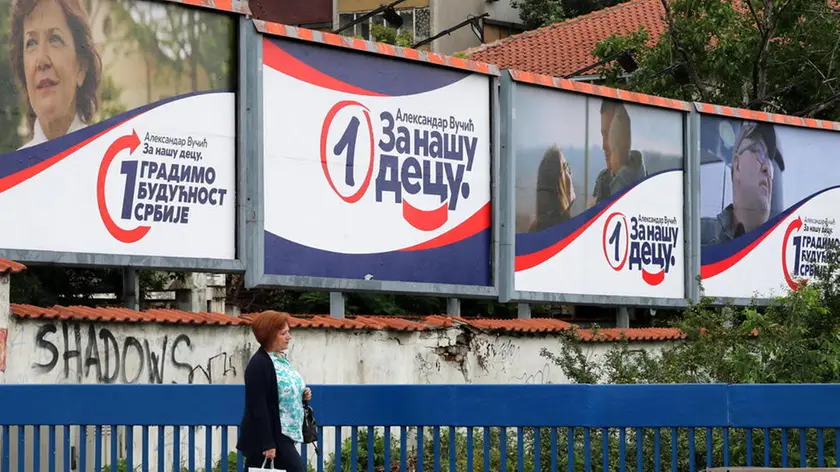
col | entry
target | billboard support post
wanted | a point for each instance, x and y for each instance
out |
(497, 220)
(622, 319)
(453, 306)
(337, 308)
(250, 150)
(506, 180)
(691, 205)
(131, 288)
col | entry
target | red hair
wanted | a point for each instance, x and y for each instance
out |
(267, 324)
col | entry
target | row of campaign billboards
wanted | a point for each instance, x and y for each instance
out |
(363, 167)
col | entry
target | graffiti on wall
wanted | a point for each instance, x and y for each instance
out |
(83, 351)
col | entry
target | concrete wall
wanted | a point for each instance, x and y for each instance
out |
(73, 352)
(448, 13)
(68, 351)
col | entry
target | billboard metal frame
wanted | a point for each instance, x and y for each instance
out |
(255, 276)
(701, 109)
(507, 291)
(237, 264)
(250, 205)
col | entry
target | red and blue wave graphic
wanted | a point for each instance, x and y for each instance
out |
(354, 73)
(21, 165)
(718, 258)
(534, 249)
(460, 256)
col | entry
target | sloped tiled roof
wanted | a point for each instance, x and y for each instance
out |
(632, 334)
(351, 322)
(11, 266)
(533, 325)
(565, 47)
(116, 314)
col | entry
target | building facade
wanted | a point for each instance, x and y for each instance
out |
(423, 19)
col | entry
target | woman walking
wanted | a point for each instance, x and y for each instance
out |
(272, 421)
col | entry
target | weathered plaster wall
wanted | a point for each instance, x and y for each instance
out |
(67, 351)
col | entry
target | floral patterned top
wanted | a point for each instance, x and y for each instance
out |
(290, 386)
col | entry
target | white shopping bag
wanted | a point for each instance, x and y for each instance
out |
(263, 469)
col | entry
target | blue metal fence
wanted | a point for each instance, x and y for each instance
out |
(431, 427)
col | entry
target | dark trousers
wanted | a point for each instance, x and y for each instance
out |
(287, 458)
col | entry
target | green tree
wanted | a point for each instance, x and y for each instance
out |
(780, 56)
(385, 34)
(537, 13)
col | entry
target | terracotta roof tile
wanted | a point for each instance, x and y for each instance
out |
(11, 266)
(394, 323)
(565, 47)
(631, 334)
(439, 321)
(351, 322)
(533, 325)
(116, 314)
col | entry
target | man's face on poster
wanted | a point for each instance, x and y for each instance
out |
(752, 178)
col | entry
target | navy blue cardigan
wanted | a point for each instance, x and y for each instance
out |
(260, 428)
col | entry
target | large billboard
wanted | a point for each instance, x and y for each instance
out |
(598, 197)
(769, 207)
(375, 170)
(118, 130)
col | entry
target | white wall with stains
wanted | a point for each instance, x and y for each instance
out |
(43, 351)
(46, 351)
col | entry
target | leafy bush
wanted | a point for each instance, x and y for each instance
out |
(122, 465)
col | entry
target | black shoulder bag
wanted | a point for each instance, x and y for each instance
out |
(310, 426)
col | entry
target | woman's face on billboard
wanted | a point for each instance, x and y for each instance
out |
(51, 66)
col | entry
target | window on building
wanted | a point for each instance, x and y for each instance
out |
(415, 20)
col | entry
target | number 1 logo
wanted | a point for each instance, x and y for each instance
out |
(616, 240)
(343, 153)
